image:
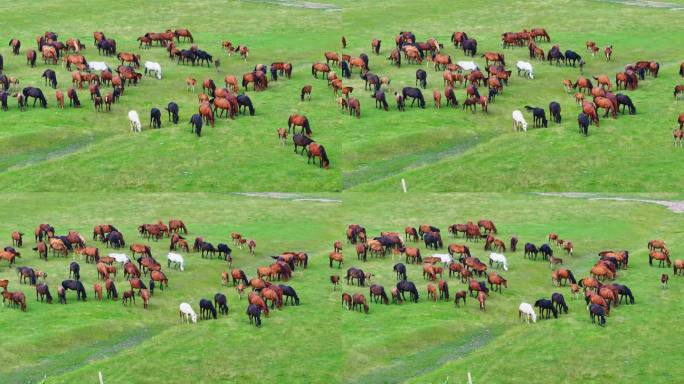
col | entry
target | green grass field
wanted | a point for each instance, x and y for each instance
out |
(434, 150)
(319, 341)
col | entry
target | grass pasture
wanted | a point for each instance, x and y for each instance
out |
(434, 150)
(321, 342)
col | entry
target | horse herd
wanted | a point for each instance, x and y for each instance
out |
(600, 296)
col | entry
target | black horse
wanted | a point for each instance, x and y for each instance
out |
(625, 293)
(301, 140)
(50, 76)
(290, 294)
(555, 112)
(624, 100)
(37, 94)
(114, 239)
(421, 77)
(172, 109)
(196, 124)
(43, 291)
(414, 93)
(380, 101)
(469, 47)
(597, 311)
(346, 72)
(204, 57)
(559, 302)
(583, 122)
(364, 57)
(546, 251)
(155, 118)
(433, 240)
(492, 94)
(2, 65)
(254, 313)
(111, 291)
(186, 55)
(221, 303)
(245, 102)
(572, 56)
(108, 46)
(539, 116)
(75, 270)
(206, 308)
(546, 307)
(408, 286)
(77, 286)
(400, 269)
(223, 250)
(208, 249)
(73, 98)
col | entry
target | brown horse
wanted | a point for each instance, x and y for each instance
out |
(126, 57)
(319, 67)
(299, 120)
(661, 256)
(354, 106)
(583, 84)
(315, 150)
(255, 299)
(347, 301)
(332, 57)
(602, 272)
(678, 135)
(496, 279)
(335, 256)
(603, 81)
(590, 110)
(678, 90)
(656, 245)
(431, 292)
(494, 57)
(595, 298)
(269, 294)
(49, 53)
(161, 278)
(207, 113)
(359, 300)
(460, 295)
(482, 298)
(437, 96)
(97, 288)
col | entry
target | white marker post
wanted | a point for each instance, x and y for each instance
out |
(403, 184)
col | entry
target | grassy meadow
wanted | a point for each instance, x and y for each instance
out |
(433, 150)
(319, 341)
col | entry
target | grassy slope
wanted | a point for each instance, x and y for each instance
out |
(451, 150)
(433, 150)
(54, 150)
(320, 342)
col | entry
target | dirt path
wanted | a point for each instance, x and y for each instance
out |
(672, 205)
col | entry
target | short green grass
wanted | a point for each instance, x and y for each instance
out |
(433, 150)
(319, 341)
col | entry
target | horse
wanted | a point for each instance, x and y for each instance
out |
(539, 116)
(546, 307)
(377, 292)
(525, 68)
(134, 121)
(319, 67)
(153, 67)
(625, 101)
(572, 56)
(526, 313)
(678, 91)
(127, 297)
(661, 256)
(299, 120)
(597, 312)
(519, 122)
(555, 112)
(206, 309)
(589, 109)
(306, 91)
(555, 54)
(408, 286)
(414, 94)
(336, 257)
(316, 150)
(77, 286)
(469, 47)
(37, 94)
(499, 259)
(583, 122)
(186, 313)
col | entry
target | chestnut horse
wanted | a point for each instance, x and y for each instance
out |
(299, 120)
(315, 150)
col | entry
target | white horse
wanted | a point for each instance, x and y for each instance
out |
(519, 121)
(468, 65)
(186, 313)
(120, 257)
(151, 66)
(176, 259)
(525, 68)
(499, 259)
(526, 312)
(134, 120)
(444, 257)
(98, 66)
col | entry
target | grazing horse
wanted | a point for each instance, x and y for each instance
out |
(319, 67)
(75, 286)
(555, 112)
(539, 116)
(400, 270)
(546, 307)
(301, 140)
(414, 94)
(43, 291)
(525, 68)
(206, 309)
(299, 120)
(37, 95)
(589, 109)
(377, 292)
(408, 286)
(597, 312)
(187, 313)
(661, 256)
(306, 91)
(519, 122)
(583, 122)
(526, 313)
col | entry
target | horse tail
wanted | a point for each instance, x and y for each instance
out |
(307, 127)
(324, 155)
(529, 108)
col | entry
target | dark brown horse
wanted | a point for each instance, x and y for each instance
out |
(359, 300)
